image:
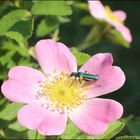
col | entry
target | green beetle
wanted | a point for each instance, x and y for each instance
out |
(85, 76)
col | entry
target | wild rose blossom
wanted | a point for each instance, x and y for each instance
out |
(51, 96)
(113, 18)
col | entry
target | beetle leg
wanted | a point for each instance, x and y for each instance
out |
(80, 79)
(72, 82)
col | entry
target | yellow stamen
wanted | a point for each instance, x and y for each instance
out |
(62, 94)
(111, 15)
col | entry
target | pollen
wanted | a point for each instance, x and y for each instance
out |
(111, 15)
(64, 93)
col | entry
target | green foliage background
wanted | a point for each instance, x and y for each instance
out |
(23, 23)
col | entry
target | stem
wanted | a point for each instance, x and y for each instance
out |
(52, 137)
(36, 135)
(39, 136)
(55, 35)
(94, 36)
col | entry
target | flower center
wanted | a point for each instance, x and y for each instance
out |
(64, 93)
(111, 15)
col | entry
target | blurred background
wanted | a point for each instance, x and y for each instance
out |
(71, 28)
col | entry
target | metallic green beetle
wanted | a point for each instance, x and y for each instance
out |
(85, 76)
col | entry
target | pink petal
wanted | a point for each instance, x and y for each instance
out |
(111, 78)
(120, 14)
(55, 57)
(53, 124)
(120, 27)
(95, 115)
(31, 115)
(26, 75)
(16, 91)
(35, 116)
(96, 9)
(125, 32)
(23, 84)
(97, 62)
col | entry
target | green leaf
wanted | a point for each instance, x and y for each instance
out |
(16, 126)
(10, 112)
(11, 18)
(87, 20)
(51, 8)
(3, 76)
(8, 46)
(31, 134)
(4, 5)
(81, 57)
(26, 62)
(8, 52)
(46, 26)
(2, 101)
(82, 6)
(134, 127)
(8, 118)
(71, 132)
(6, 59)
(63, 19)
(16, 131)
(128, 138)
(116, 37)
(24, 28)
(32, 52)
(82, 136)
(16, 36)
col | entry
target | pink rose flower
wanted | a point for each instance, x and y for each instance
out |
(51, 96)
(114, 18)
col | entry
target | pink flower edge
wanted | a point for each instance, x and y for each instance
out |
(111, 78)
(97, 9)
(58, 58)
(36, 117)
(100, 113)
(23, 84)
